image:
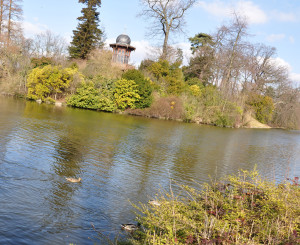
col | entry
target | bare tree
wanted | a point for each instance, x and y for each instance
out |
(15, 13)
(3, 12)
(49, 45)
(167, 17)
(232, 40)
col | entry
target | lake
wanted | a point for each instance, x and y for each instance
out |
(121, 159)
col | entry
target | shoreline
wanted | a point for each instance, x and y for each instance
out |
(251, 123)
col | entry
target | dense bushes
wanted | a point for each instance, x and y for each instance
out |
(197, 100)
(263, 107)
(48, 81)
(122, 95)
(204, 104)
(126, 94)
(86, 97)
(242, 209)
(143, 86)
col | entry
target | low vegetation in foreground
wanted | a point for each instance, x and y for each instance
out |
(240, 209)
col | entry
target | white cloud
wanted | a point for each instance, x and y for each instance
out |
(292, 39)
(187, 52)
(68, 37)
(31, 29)
(251, 11)
(295, 77)
(285, 17)
(275, 37)
(141, 52)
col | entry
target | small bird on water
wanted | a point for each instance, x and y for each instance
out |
(129, 227)
(74, 180)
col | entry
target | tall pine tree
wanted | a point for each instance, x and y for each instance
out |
(87, 36)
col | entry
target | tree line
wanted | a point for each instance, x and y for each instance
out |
(227, 81)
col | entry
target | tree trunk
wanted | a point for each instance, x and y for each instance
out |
(165, 46)
(232, 58)
(1, 15)
(9, 22)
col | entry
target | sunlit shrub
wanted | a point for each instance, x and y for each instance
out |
(48, 81)
(41, 62)
(143, 86)
(175, 86)
(126, 94)
(240, 209)
(86, 96)
(263, 107)
(195, 90)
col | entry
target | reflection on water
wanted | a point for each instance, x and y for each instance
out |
(119, 158)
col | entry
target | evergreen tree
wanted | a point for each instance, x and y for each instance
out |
(87, 36)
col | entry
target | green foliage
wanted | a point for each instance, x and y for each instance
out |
(41, 62)
(175, 86)
(87, 36)
(195, 81)
(201, 63)
(126, 94)
(263, 107)
(48, 81)
(145, 64)
(229, 116)
(49, 100)
(169, 77)
(195, 90)
(134, 75)
(211, 96)
(74, 65)
(89, 97)
(200, 40)
(160, 69)
(143, 85)
(240, 209)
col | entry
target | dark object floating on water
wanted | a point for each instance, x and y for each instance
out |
(73, 180)
(129, 227)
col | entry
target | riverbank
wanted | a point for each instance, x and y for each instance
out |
(248, 120)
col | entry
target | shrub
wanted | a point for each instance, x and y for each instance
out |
(175, 86)
(126, 94)
(160, 69)
(240, 209)
(86, 96)
(195, 90)
(48, 81)
(41, 62)
(194, 81)
(99, 63)
(263, 107)
(134, 75)
(143, 85)
(167, 107)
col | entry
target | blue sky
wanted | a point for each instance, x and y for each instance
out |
(273, 22)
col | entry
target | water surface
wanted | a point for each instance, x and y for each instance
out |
(120, 159)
